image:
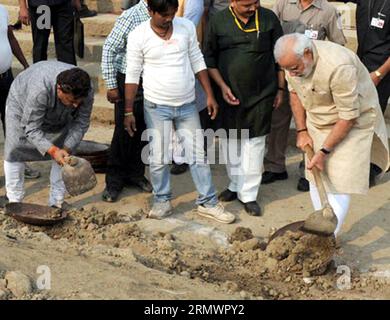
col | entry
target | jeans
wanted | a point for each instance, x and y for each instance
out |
(159, 121)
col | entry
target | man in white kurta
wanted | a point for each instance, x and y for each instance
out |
(337, 112)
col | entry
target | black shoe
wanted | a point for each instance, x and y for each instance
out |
(227, 196)
(110, 195)
(179, 168)
(269, 177)
(303, 185)
(30, 173)
(374, 172)
(86, 13)
(141, 183)
(252, 208)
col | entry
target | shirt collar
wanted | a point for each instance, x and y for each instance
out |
(315, 3)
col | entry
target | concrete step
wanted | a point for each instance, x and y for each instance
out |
(103, 111)
(93, 69)
(99, 26)
(92, 50)
(101, 6)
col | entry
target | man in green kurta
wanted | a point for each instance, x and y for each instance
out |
(239, 55)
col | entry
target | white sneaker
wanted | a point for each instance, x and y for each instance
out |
(217, 213)
(160, 210)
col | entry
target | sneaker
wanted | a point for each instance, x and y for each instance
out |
(269, 177)
(218, 213)
(30, 173)
(160, 210)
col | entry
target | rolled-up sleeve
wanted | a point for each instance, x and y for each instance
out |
(344, 87)
(80, 125)
(134, 57)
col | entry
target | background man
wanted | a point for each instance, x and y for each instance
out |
(166, 51)
(239, 55)
(125, 165)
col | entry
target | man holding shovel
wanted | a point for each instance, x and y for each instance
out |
(337, 112)
(47, 114)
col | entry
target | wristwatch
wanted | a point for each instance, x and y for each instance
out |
(378, 74)
(325, 151)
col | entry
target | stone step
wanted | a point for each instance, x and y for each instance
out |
(92, 49)
(93, 69)
(99, 26)
(101, 6)
(103, 111)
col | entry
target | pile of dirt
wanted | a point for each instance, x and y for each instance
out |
(286, 268)
(301, 252)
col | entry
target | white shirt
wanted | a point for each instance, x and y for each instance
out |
(168, 66)
(5, 47)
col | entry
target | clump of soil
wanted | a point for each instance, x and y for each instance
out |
(241, 234)
(301, 252)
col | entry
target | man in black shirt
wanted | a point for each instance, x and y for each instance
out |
(373, 33)
(61, 15)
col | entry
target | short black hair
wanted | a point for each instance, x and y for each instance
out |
(161, 6)
(74, 81)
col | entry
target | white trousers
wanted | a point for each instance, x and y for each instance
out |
(244, 165)
(339, 203)
(14, 183)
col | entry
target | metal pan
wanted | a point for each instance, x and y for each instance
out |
(35, 214)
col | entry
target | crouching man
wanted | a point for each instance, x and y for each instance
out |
(47, 114)
(337, 112)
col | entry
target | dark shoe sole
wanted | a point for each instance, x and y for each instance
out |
(282, 176)
(232, 197)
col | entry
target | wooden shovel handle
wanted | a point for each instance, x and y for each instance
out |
(317, 177)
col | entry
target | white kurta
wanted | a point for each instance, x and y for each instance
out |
(340, 87)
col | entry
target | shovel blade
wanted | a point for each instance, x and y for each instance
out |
(78, 177)
(321, 223)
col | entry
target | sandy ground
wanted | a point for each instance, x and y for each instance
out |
(186, 256)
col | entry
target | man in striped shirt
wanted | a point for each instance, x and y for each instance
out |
(125, 165)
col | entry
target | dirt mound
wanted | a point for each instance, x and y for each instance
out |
(247, 266)
(301, 252)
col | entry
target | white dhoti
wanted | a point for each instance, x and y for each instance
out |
(244, 165)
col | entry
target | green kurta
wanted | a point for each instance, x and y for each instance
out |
(247, 65)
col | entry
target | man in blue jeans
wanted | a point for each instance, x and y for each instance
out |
(167, 53)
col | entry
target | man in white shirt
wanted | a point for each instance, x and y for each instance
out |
(10, 46)
(167, 53)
